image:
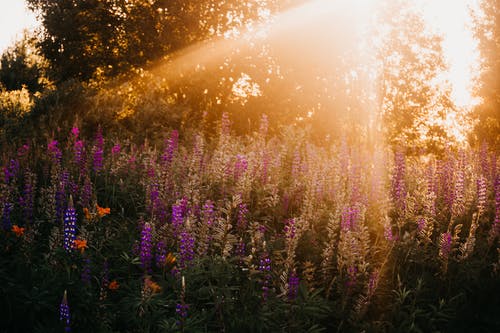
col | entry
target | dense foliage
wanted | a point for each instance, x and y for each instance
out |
(487, 30)
(261, 233)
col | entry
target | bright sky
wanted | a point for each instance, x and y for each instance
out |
(452, 18)
(14, 17)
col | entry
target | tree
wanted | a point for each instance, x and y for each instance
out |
(22, 66)
(487, 31)
(412, 103)
(85, 38)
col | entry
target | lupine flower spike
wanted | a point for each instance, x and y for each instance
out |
(64, 314)
(70, 227)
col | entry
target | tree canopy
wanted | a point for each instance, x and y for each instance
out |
(487, 30)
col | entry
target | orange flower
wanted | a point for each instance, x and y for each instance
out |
(81, 244)
(153, 286)
(18, 230)
(113, 285)
(102, 211)
(87, 213)
(170, 258)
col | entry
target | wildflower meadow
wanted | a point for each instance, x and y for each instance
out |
(257, 233)
(260, 166)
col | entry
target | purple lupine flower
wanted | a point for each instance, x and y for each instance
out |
(181, 310)
(349, 218)
(388, 232)
(11, 170)
(290, 229)
(495, 228)
(186, 249)
(75, 131)
(6, 220)
(86, 193)
(64, 178)
(430, 178)
(151, 172)
(458, 198)
(78, 149)
(445, 245)
(421, 223)
(177, 218)
(146, 255)
(241, 223)
(481, 194)
(373, 282)
(208, 213)
(69, 226)
(161, 253)
(116, 149)
(54, 151)
(23, 150)
(171, 145)
(240, 249)
(398, 180)
(86, 275)
(293, 286)
(184, 206)
(154, 197)
(265, 263)
(265, 167)
(97, 163)
(352, 272)
(64, 314)
(240, 166)
(265, 268)
(483, 158)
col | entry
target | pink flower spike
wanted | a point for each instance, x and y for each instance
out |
(75, 131)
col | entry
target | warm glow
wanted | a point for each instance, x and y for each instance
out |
(14, 18)
(452, 19)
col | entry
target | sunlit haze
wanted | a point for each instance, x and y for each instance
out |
(14, 18)
(453, 19)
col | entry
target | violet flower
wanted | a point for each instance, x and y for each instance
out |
(6, 219)
(78, 149)
(116, 149)
(241, 223)
(69, 226)
(161, 253)
(177, 218)
(208, 213)
(186, 249)
(265, 268)
(54, 151)
(290, 229)
(293, 286)
(64, 314)
(170, 147)
(445, 245)
(146, 255)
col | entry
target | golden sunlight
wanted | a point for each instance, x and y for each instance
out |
(452, 19)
